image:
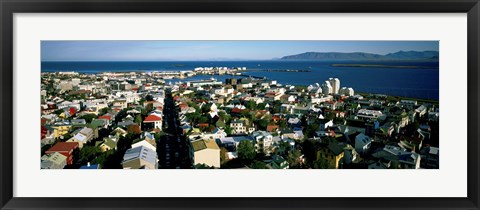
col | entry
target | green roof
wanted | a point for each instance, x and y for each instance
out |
(97, 123)
(110, 143)
(335, 148)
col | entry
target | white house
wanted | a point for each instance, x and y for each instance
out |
(206, 152)
(140, 158)
(154, 118)
(85, 135)
(144, 143)
(238, 127)
(264, 141)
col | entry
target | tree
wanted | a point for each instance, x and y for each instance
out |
(320, 164)
(58, 112)
(138, 119)
(66, 137)
(293, 157)
(88, 117)
(309, 150)
(134, 129)
(203, 166)
(258, 165)
(205, 108)
(251, 105)
(149, 108)
(311, 129)
(261, 106)
(103, 111)
(262, 124)
(88, 153)
(203, 119)
(149, 97)
(246, 150)
(120, 115)
(283, 148)
(102, 158)
(228, 130)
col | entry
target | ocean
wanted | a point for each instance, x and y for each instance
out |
(407, 82)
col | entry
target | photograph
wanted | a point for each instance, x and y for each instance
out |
(240, 104)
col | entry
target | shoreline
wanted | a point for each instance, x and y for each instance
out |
(382, 66)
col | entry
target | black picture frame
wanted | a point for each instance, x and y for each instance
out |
(10, 7)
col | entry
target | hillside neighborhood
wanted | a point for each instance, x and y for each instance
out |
(141, 120)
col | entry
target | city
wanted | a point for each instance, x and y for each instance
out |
(143, 120)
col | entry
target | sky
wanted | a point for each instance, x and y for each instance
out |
(213, 50)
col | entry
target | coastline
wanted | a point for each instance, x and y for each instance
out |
(381, 66)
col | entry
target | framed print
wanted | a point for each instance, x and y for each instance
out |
(282, 104)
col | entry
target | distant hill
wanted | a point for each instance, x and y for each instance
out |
(361, 56)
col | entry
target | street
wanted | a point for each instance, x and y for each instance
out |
(173, 149)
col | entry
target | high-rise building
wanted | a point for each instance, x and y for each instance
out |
(327, 88)
(346, 91)
(335, 83)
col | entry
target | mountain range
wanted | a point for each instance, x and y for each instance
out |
(362, 56)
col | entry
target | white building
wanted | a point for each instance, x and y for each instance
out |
(238, 127)
(327, 88)
(335, 83)
(140, 158)
(264, 141)
(206, 152)
(144, 143)
(347, 91)
(85, 135)
(369, 114)
(154, 118)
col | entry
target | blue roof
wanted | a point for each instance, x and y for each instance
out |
(94, 166)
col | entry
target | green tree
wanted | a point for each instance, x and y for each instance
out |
(258, 165)
(293, 157)
(149, 97)
(261, 106)
(203, 166)
(203, 119)
(66, 137)
(320, 164)
(309, 150)
(88, 117)
(228, 130)
(58, 112)
(88, 153)
(251, 105)
(246, 150)
(262, 124)
(102, 158)
(206, 108)
(311, 129)
(283, 148)
(103, 111)
(138, 119)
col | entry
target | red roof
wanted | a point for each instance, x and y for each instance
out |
(275, 117)
(203, 125)
(106, 117)
(271, 128)
(44, 121)
(236, 110)
(152, 118)
(72, 111)
(63, 147)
